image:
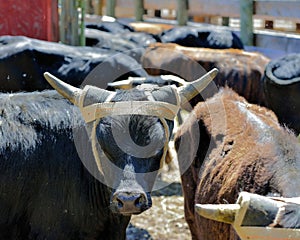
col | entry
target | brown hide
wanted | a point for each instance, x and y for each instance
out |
(152, 28)
(242, 148)
(240, 70)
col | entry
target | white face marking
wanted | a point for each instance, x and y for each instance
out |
(129, 171)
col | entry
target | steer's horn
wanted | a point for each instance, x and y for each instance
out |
(191, 89)
(218, 212)
(66, 90)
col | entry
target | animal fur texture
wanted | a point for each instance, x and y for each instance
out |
(241, 147)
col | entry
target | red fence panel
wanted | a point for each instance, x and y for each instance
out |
(31, 18)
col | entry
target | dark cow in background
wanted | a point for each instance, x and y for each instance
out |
(24, 60)
(31, 57)
(202, 37)
(117, 35)
(238, 69)
(239, 147)
(282, 89)
(105, 40)
(46, 190)
(108, 24)
(130, 43)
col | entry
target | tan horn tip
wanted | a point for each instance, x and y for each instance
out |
(66, 90)
(213, 73)
(191, 89)
(48, 76)
(218, 212)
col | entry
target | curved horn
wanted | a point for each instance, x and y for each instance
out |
(218, 212)
(190, 90)
(66, 90)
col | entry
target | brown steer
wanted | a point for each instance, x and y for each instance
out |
(227, 146)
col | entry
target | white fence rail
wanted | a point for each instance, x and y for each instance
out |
(246, 11)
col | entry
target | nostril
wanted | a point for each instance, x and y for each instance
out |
(120, 203)
(140, 201)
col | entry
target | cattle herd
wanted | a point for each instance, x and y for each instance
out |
(76, 162)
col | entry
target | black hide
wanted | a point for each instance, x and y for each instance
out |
(142, 39)
(282, 89)
(132, 45)
(46, 192)
(112, 27)
(207, 37)
(106, 40)
(24, 60)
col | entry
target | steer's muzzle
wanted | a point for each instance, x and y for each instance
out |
(128, 203)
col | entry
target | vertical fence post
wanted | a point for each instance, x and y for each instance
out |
(110, 8)
(246, 22)
(69, 22)
(82, 22)
(89, 8)
(182, 12)
(225, 21)
(99, 7)
(139, 10)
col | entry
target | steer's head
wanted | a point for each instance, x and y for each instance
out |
(130, 131)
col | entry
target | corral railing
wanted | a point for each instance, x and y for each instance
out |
(280, 15)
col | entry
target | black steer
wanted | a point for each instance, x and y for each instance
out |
(23, 61)
(48, 191)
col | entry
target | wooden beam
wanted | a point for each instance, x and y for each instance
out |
(228, 8)
(182, 12)
(246, 21)
(110, 8)
(139, 10)
(160, 4)
(263, 8)
(82, 22)
(69, 23)
(285, 9)
(99, 7)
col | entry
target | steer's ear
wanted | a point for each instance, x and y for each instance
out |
(191, 89)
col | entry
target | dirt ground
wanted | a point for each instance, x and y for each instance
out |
(165, 219)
